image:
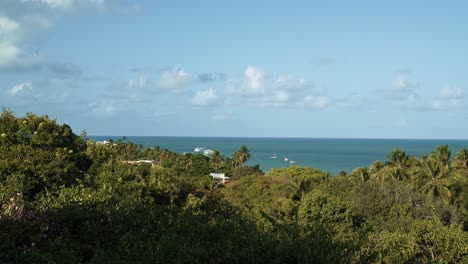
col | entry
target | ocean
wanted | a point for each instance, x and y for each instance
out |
(327, 154)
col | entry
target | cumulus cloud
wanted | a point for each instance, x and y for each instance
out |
(440, 104)
(206, 97)
(403, 82)
(253, 82)
(105, 107)
(450, 97)
(17, 25)
(403, 94)
(289, 82)
(276, 99)
(451, 92)
(173, 79)
(317, 102)
(21, 88)
(283, 90)
(8, 27)
(140, 82)
(12, 56)
(21, 21)
(66, 4)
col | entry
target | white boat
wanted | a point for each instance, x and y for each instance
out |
(292, 162)
(274, 156)
(198, 149)
(208, 152)
(286, 159)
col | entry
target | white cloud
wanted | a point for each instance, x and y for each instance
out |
(205, 97)
(8, 53)
(105, 107)
(8, 26)
(277, 99)
(401, 82)
(11, 55)
(66, 4)
(450, 97)
(253, 82)
(289, 82)
(317, 102)
(173, 79)
(451, 92)
(446, 104)
(23, 21)
(22, 87)
(12, 33)
(140, 82)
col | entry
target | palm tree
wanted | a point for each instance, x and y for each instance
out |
(184, 161)
(442, 154)
(376, 170)
(394, 173)
(241, 156)
(460, 160)
(397, 158)
(400, 162)
(359, 175)
(215, 159)
(434, 179)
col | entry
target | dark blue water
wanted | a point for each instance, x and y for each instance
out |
(331, 155)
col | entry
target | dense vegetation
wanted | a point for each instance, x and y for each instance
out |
(65, 199)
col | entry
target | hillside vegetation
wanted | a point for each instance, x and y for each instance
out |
(66, 199)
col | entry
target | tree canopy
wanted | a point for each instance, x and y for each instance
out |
(67, 199)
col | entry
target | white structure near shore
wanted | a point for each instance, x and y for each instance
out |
(221, 176)
(138, 162)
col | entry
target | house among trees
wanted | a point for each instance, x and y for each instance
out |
(221, 176)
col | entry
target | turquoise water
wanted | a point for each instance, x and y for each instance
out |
(331, 155)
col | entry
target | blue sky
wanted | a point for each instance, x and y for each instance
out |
(354, 69)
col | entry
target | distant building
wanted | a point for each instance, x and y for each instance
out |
(221, 176)
(138, 162)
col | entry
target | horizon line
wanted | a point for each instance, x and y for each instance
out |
(279, 137)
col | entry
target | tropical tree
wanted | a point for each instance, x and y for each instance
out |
(442, 154)
(433, 179)
(241, 156)
(186, 161)
(215, 159)
(401, 163)
(377, 170)
(359, 175)
(460, 160)
(394, 173)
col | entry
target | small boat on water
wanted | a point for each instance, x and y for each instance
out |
(198, 149)
(286, 159)
(274, 156)
(292, 162)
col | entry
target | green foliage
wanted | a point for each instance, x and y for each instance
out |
(65, 199)
(428, 241)
(37, 156)
(333, 213)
